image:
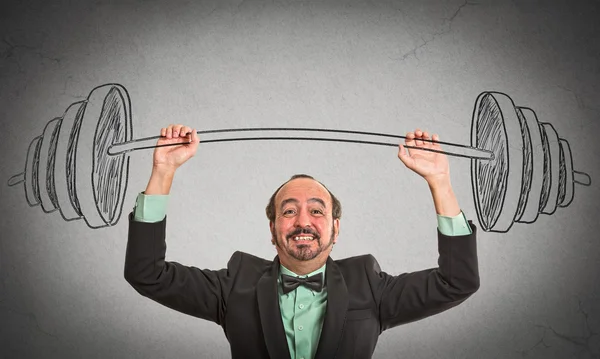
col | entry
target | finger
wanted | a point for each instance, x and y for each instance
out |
(435, 139)
(194, 141)
(418, 135)
(403, 151)
(177, 130)
(184, 131)
(163, 132)
(195, 138)
(169, 133)
(192, 133)
(187, 132)
(427, 138)
(192, 144)
(405, 157)
(410, 139)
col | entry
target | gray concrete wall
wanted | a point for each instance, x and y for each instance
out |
(380, 66)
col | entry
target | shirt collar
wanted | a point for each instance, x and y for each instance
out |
(284, 270)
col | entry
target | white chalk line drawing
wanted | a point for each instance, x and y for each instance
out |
(80, 164)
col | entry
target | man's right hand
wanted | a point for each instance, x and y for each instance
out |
(166, 160)
(171, 157)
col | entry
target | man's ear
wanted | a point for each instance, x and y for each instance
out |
(336, 229)
(272, 229)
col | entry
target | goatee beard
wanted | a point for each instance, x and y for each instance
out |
(303, 252)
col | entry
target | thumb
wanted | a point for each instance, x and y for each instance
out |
(404, 156)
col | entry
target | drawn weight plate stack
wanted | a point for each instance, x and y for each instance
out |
(532, 170)
(80, 164)
(68, 167)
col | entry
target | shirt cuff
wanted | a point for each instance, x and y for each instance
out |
(150, 208)
(454, 226)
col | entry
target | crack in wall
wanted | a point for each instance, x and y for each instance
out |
(32, 318)
(12, 53)
(583, 342)
(581, 103)
(448, 27)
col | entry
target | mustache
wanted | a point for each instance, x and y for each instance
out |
(300, 231)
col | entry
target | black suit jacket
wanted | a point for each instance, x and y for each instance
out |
(363, 301)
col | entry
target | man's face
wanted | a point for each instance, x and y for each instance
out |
(304, 228)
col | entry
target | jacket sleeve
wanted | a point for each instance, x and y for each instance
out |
(190, 290)
(413, 296)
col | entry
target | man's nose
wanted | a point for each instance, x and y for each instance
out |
(303, 219)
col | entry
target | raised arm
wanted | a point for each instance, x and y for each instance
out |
(434, 168)
(412, 296)
(201, 293)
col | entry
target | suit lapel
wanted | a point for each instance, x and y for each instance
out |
(335, 316)
(270, 314)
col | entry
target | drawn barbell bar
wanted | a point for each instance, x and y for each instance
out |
(519, 167)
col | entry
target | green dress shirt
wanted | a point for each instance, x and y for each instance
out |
(302, 310)
(302, 313)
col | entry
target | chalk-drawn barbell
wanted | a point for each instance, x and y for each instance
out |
(80, 164)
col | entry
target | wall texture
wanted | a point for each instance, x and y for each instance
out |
(380, 66)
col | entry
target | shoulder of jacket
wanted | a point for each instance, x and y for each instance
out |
(364, 261)
(355, 259)
(248, 258)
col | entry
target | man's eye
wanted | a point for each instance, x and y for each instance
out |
(288, 211)
(317, 211)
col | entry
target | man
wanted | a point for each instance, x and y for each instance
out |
(340, 307)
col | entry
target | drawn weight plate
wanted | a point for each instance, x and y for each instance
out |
(536, 174)
(45, 166)
(496, 183)
(101, 186)
(553, 175)
(569, 184)
(526, 152)
(62, 174)
(32, 193)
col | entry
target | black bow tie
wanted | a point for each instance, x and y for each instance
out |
(314, 282)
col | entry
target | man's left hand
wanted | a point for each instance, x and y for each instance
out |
(432, 166)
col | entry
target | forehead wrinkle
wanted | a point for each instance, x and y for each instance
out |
(318, 200)
(295, 201)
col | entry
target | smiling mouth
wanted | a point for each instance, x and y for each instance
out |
(303, 238)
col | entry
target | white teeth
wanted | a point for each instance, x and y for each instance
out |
(303, 238)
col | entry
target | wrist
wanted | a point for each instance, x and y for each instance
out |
(163, 169)
(439, 183)
(160, 181)
(444, 199)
